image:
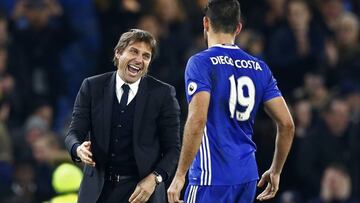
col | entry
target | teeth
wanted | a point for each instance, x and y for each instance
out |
(134, 67)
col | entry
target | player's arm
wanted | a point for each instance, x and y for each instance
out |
(194, 127)
(277, 109)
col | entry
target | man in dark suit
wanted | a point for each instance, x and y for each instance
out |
(125, 128)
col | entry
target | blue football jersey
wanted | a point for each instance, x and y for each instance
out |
(238, 83)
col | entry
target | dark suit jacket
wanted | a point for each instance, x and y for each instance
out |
(155, 135)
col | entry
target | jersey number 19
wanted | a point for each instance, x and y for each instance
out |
(237, 96)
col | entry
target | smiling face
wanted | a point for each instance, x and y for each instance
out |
(133, 61)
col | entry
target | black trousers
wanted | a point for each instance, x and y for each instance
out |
(117, 192)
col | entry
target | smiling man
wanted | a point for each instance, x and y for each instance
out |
(125, 128)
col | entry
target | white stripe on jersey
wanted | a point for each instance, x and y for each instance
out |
(205, 160)
(195, 192)
(202, 164)
(204, 171)
(208, 154)
(190, 194)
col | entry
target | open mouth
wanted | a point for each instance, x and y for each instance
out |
(133, 69)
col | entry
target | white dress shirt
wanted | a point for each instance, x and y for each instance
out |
(132, 91)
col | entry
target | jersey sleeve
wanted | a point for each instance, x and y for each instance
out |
(197, 77)
(271, 89)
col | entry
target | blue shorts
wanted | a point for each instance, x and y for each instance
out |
(242, 193)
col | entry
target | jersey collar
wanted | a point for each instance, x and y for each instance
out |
(226, 46)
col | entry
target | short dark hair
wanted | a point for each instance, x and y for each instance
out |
(135, 35)
(224, 15)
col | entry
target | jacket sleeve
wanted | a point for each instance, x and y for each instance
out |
(169, 125)
(81, 121)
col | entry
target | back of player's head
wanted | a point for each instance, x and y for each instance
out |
(224, 15)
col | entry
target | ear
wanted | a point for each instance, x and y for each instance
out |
(117, 54)
(206, 23)
(238, 28)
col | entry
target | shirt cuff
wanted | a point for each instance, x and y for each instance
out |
(74, 154)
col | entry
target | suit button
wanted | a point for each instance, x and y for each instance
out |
(116, 140)
(122, 111)
(112, 155)
(119, 126)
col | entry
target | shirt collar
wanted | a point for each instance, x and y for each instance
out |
(133, 86)
(227, 46)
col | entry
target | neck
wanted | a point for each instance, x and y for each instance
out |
(220, 38)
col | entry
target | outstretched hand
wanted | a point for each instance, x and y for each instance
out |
(144, 189)
(84, 153)
(272, 180)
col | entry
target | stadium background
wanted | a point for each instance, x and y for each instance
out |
(47, 47)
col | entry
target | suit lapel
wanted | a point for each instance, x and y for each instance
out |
(140, 105)
(109, 91)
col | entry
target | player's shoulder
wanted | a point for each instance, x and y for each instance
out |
(199, 60)
(199, 57)
(264, 66)
(253, 58)
(214, 54)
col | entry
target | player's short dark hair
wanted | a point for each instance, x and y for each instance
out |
(224, 15)
(135, 35)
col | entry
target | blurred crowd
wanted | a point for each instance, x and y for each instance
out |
(47, 47)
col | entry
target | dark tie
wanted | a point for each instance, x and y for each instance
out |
(125, 95)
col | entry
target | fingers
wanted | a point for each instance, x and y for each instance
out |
(88, 160)
(268, 193)
(142, 197)
(173, 194)
(135, 194)
(85, 154)
(87, 144)
(261, 182)
(271, 188)
(143, 190)
(139, 195)
(265, 192)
